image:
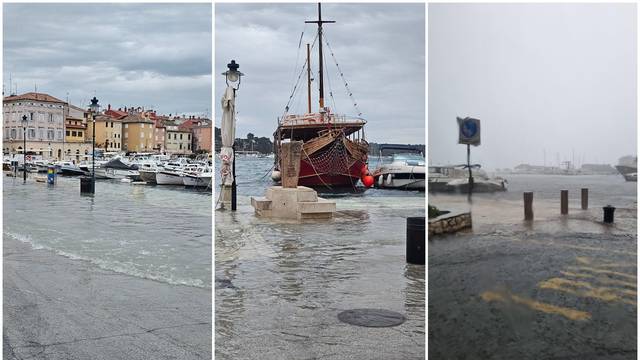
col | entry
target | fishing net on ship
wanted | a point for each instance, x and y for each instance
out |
(333, 160)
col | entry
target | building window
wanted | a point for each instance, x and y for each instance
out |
(31, 115)
(126, 135)
(112, 124)
(73, 133)
(180, 146)
(188, 136)
(31, 133)
(68, 133)
(50, 117)
(180, 136)
(13, 133)
(141, 135)
(126, 126)
(50, 134)
(79, 133)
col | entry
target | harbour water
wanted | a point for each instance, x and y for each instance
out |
(152, 232)
(281, 284)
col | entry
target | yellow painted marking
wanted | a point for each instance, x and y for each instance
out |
(571, 314)
(587, 261)
(590, 248)
(600, 279)
(602, 271)
(604, 294)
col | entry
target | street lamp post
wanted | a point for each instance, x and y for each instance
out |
(24, 148)
(232, 76)
(95, 108)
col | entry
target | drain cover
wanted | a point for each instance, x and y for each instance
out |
(371, 317)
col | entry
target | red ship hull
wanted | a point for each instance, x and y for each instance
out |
(308, 176)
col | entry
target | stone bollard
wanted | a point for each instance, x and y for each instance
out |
(585, 199)
(528, 205)
(415, 240)
(290, 163)
(564, 202)
(608, 214)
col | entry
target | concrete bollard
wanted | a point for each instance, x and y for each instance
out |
(528, 205)
(564, 202)
(585, 198)
(415, 240)
(608, 214)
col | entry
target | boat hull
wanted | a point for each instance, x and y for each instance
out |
(196, 181)
(628, 172)
(148, 176)
(168, 178)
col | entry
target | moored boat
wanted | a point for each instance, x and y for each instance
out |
(628, 167)
(334, 152)
(405, 169)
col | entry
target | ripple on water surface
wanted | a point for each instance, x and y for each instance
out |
(152, 232)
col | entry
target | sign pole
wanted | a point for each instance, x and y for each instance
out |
(469, 167)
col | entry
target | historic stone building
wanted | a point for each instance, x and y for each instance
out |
(45, 124)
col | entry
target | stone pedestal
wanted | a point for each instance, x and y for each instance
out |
(225, 197)
(299, 203)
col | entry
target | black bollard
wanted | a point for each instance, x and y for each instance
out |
(585, 198)
(528, 205)
(564, 202)
(608, 214)
(86, 185)
(415, 240)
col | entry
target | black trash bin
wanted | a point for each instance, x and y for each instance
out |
(415, 240)
(608, 214)
(86, 185)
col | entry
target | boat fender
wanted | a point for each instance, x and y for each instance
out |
(275, 175)
(367, 180)
(389, 180)
(380, 180)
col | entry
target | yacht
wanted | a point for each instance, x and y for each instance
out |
(455, 178)
(628, 167)
(68, 168)
(404, 169)
(199, 178)
(117, 169)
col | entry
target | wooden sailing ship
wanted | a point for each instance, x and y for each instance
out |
(334, 152)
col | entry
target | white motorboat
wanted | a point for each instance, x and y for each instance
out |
(628, 167)
(200, 178)
(117, 169)
(169, 177)
(404, 169)
(68, 168)
(456, 179)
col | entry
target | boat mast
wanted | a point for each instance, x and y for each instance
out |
(320, 22)
(308, 79)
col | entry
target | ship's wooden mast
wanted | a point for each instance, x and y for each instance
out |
(320, 22)
(308, 79)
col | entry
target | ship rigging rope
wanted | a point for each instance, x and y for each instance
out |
(295, 87)
(333, 100)
(346, 84)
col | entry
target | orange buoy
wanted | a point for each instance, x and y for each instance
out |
(367, 180)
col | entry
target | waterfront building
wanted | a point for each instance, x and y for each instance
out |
(76, 143)
(108, 132)
(137, 133)
(45, 130)
(178, 141)
(200, 129)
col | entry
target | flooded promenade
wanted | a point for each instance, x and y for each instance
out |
(125, 274)
(279, 285)
(557, 287)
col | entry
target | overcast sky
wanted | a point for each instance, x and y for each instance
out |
(542, 78)
(379, 47)
(151, 55)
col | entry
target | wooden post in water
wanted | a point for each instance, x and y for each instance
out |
(290, 154)
(564, 202)
(528, 205)
(585, 199)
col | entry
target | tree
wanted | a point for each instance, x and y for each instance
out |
(250, 136)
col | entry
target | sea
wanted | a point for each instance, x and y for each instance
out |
(162, 233)
(275, 278)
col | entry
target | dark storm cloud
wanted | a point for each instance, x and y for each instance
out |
(131, 54)
(550, 82)
(379, 47)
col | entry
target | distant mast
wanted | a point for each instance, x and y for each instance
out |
(308, 79)
(320, 22)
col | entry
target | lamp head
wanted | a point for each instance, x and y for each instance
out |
(233, 75)
(24, 121)
(95, 108)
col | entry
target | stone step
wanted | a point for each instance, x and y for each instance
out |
(320, 206)
(261, 203)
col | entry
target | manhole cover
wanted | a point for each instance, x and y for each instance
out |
(371, 317)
